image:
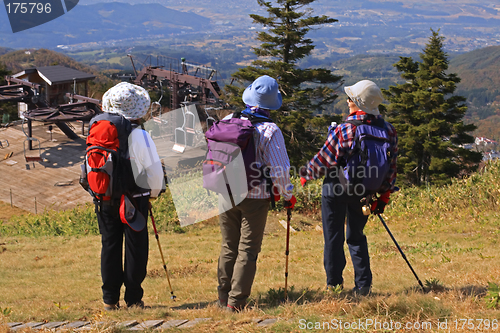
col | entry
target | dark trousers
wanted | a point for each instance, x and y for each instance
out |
(335, 207)
(133, 272)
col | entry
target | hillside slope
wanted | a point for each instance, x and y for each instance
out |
(479, 70)
(480, 84)
(19, 60)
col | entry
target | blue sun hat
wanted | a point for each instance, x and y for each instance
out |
(129, 100)
(263, 93)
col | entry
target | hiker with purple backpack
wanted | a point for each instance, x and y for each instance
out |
(353, 170)
(242, 220)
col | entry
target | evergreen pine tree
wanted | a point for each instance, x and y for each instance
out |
(6, 108)
(3, 73)
(305, 92)
(429, 119)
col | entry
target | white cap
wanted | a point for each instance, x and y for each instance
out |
(366, 95)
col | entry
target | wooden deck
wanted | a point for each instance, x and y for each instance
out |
(52, 182)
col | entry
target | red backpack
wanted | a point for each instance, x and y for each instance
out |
(107, 171)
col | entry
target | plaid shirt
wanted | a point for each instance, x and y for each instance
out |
(338, 145)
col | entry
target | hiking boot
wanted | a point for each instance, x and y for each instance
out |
(361, 291)
(111, 307)
(139, 305)
(222, 303)
(231, 308)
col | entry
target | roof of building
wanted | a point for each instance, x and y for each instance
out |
(57, 74)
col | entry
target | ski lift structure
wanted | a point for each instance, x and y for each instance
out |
(41, 100)
(185, 135)
(189, 84)
(210, 119)
(32, 98)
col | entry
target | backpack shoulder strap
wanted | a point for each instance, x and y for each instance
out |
(253, 119)
(258, 119)
(377, 122)
(355, 122)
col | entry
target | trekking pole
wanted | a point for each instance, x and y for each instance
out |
(161, 253)
(401, 251)
(288, 218)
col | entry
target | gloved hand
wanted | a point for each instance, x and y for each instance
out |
(303, 181)
(289, 204)
(275, 193)
(379, 205)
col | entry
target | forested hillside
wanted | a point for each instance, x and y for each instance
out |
(479, 71)
(17, 61)
(4, 50)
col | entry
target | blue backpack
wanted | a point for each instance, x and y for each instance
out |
(369, 160)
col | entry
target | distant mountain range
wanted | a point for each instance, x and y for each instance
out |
(103, 22)
(364, 26)
(477, 69)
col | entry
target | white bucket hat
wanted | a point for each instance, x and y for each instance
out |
(366, 95)
(264, 93)
(129, 100)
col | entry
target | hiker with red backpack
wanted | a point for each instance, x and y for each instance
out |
(243, 211)
(122, 172)
(358, 161)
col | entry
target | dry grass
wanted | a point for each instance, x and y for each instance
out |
(57, 278)
(6, 211)
(449, 234)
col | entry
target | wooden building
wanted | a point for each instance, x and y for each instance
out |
(55, 82)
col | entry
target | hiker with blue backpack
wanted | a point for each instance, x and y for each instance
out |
(358, 161)
(122, 172)
(243, 207)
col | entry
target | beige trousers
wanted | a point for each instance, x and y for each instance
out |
(242, 228)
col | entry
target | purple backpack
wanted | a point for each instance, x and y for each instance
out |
(230, 165)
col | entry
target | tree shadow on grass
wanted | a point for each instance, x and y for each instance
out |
(274, 298)
(437, 288)
(471, 290)
(193, 306)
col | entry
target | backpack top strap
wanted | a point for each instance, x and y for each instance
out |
(254, 119)
(355, 122)
(370, 121)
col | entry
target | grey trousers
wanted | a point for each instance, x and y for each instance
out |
(242, 228)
